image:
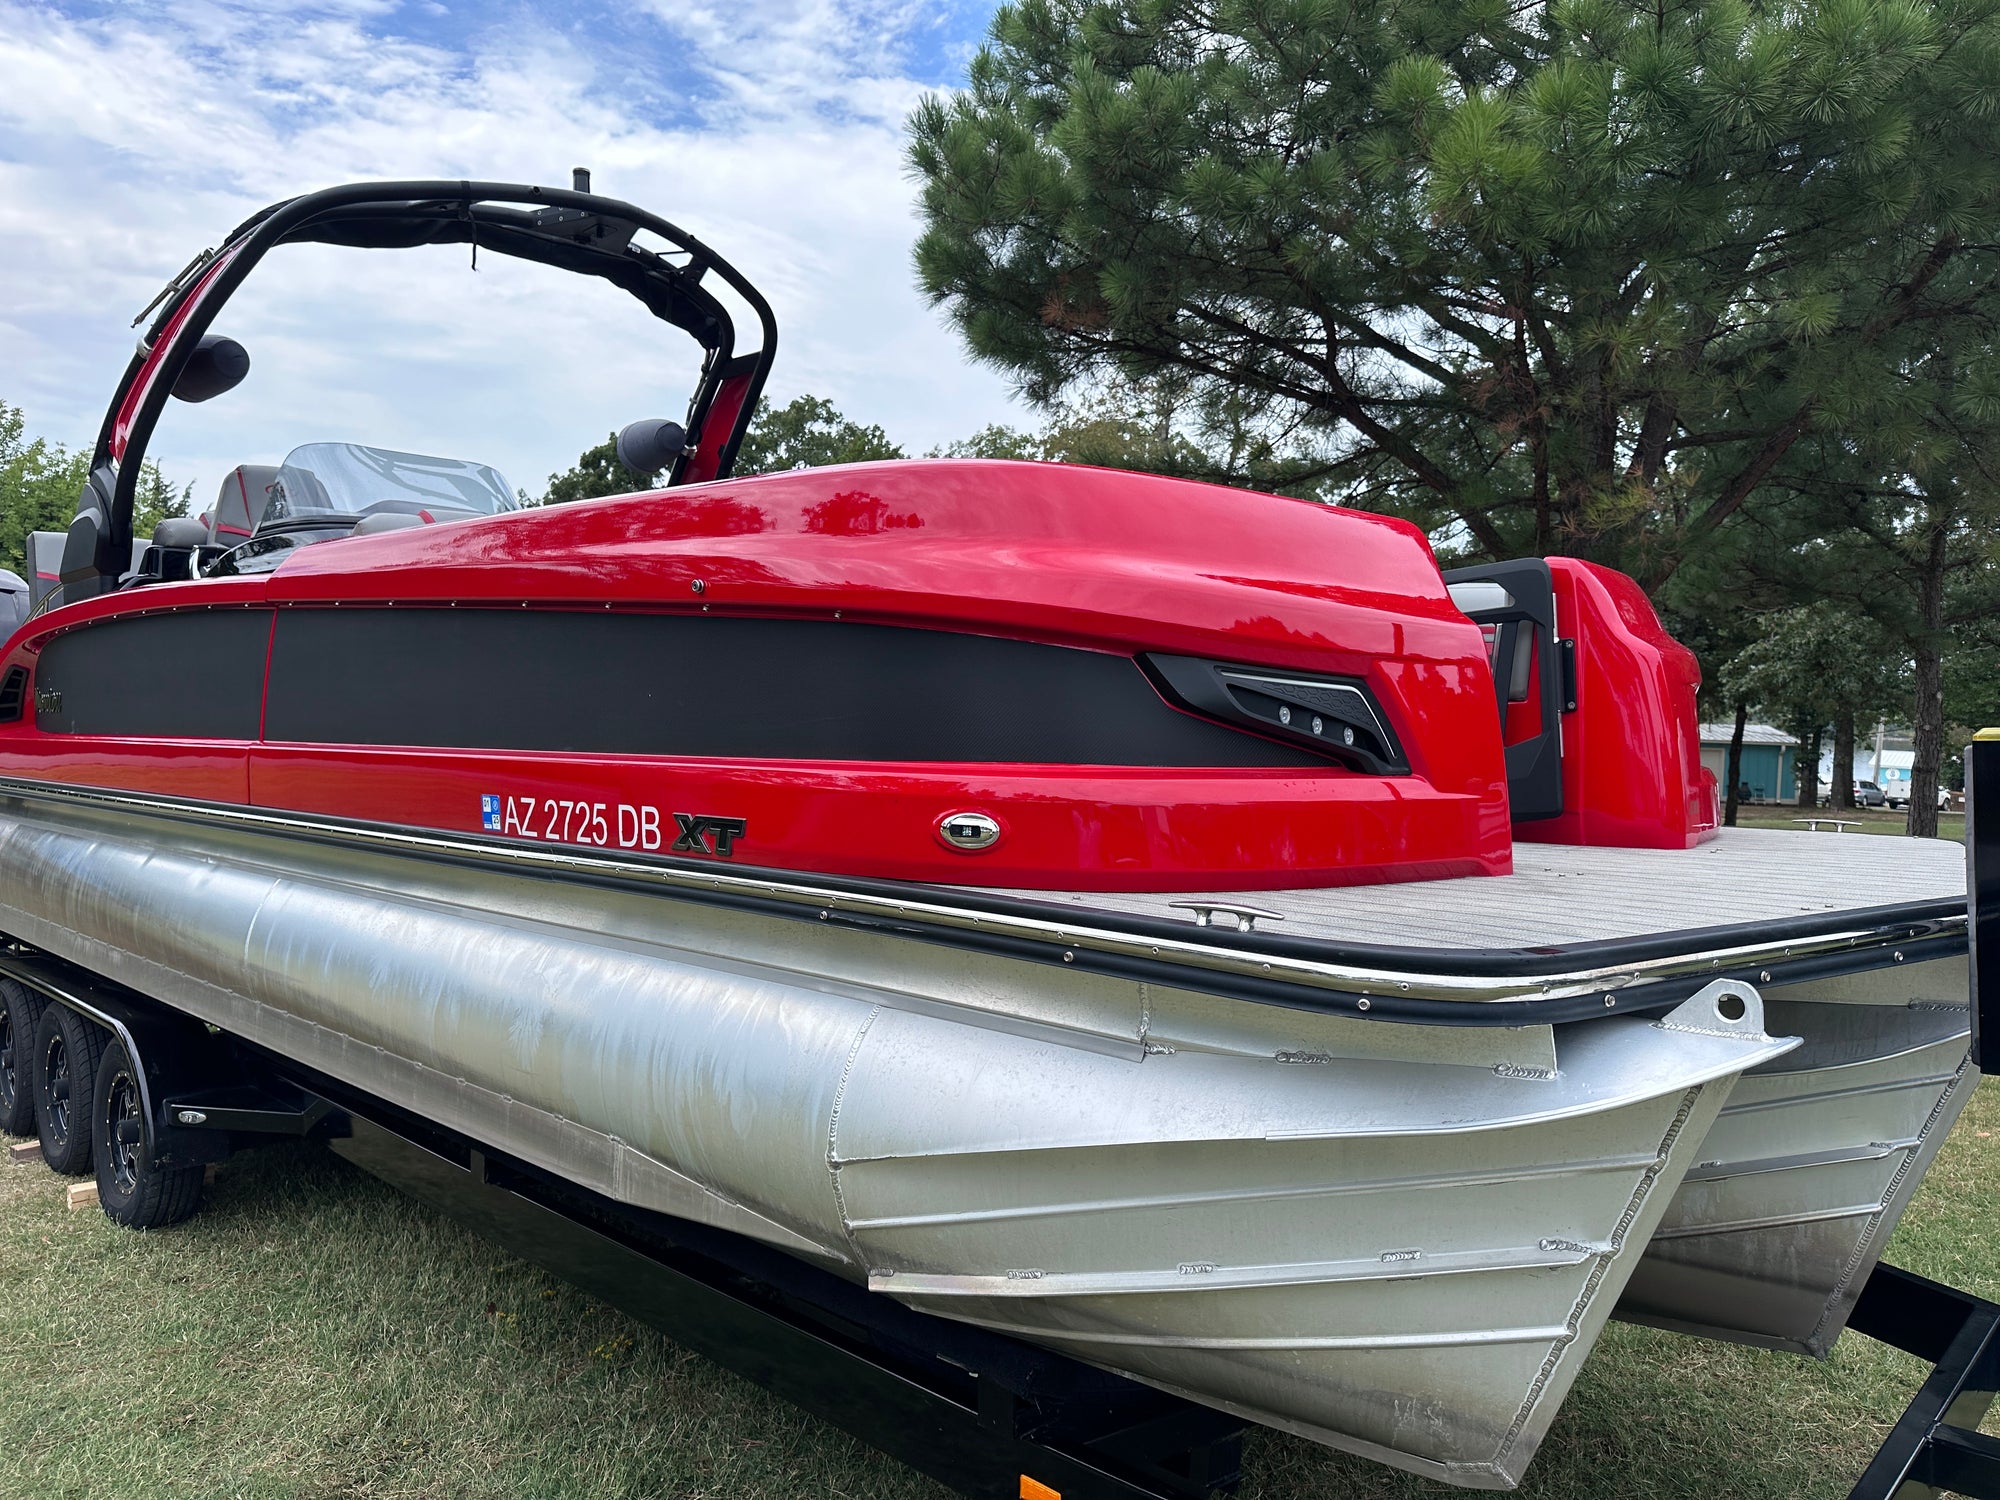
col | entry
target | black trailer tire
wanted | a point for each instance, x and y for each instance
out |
(132, 1188)
(67, 1051)
(20, 1009)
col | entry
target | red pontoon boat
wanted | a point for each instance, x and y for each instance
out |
(1082, 905)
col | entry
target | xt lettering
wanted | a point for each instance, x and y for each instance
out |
(701, 834)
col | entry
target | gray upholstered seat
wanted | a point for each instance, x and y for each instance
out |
(240, 504)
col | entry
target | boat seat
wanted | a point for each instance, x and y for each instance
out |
(240, 505)
(13, 601)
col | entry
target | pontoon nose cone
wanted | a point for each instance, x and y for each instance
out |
(970, 831)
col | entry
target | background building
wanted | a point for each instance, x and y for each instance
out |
(1769, 761)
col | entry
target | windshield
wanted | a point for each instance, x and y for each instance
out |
(350, 481)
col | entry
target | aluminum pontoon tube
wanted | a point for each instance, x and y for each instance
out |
(1399, 1239)
(1812, 1162)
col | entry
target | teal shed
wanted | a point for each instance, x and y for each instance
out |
(1770, 761)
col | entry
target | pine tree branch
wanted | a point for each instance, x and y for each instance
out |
(1344, 401)
(1900, 309)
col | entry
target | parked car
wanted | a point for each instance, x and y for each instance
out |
(1866, 794)
(1947, 799)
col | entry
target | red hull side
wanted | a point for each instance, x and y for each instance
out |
(1111, 828)
(1108, 562)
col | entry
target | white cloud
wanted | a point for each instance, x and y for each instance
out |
(770, 128)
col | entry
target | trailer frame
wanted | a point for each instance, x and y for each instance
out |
(988, 1416)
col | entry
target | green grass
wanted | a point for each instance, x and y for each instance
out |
(313, 1334)
(1871, 820)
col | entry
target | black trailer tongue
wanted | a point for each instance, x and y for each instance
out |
(1936, 1446)
(1982, 894)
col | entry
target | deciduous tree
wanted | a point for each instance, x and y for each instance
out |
(806, 433)
(809, 433)
(40, 482)
(1812, 666)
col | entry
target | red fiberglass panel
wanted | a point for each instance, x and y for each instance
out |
(1631, 755)
(1110, 561)
(210, 770)
(1041, 551)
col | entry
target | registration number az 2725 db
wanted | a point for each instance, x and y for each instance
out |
(620, 825)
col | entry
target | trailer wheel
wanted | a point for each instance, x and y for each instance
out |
(67, 1052)
(19, 1011)
(133, 1189)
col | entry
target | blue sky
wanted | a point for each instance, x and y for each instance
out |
(134, 133)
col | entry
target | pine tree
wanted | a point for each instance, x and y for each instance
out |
(1569, 277)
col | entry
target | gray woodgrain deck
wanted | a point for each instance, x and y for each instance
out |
(1562, 894)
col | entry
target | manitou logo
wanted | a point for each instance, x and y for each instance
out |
(701, 834)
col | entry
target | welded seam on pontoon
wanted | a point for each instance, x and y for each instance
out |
(1581, 1307)
(833, 1160)
(1497, 1175)
(1957, 1037)
(1363, 983)
(1205, 1278)
(1822, 1096)
(1722, 1171)
(1769, 1221)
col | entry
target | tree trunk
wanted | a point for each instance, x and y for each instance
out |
(1809, 741)
(1734, 765)
(1842, 784)
(1929, 725)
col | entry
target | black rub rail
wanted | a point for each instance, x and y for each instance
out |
(1554, 984)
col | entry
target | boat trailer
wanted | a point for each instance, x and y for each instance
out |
(1936, 1444)
(995, 1419)
(987, 1415)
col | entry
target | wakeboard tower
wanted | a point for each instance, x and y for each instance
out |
(868, 864)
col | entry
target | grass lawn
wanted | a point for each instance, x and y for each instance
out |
(1870, 820)
(313, 1334)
